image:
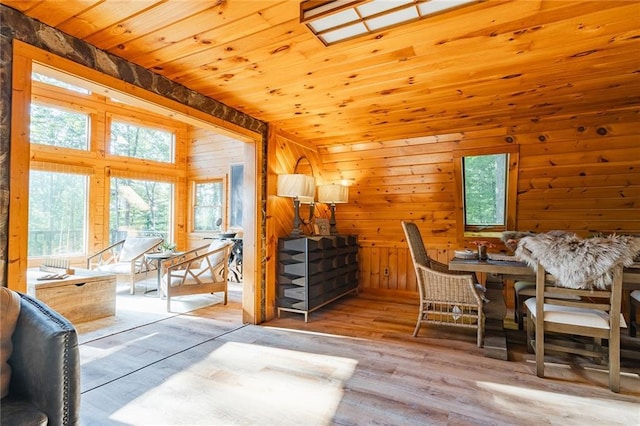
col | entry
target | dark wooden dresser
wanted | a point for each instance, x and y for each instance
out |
(314, 271)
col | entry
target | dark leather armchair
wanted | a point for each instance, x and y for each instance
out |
(45, 369)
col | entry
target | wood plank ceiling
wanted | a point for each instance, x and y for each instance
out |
(480, 66)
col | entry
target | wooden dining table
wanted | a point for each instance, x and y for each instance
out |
(495, 342)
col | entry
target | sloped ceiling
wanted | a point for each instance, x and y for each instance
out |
(480, 66)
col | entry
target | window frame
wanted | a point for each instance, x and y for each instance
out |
(53, 104)
(88, 217)
(464, 231)
(192, 203)
(147, 123)
(171, 221)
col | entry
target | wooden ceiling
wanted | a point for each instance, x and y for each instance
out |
(484, 65)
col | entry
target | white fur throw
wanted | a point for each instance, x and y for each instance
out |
(579, 263)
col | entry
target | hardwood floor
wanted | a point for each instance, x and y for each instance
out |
(354, 363)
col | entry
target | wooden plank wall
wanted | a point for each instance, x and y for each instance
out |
(209, 155)
(578, 174)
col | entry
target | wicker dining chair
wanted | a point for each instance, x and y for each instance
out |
(446, 297)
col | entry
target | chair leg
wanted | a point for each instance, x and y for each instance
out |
(530, 338)
(530, 334)
(539, 349)
(614, 362)
(480, 331)
(633, 325)
(517, 311)
(418, 324)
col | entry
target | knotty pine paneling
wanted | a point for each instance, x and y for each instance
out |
(579, 173)
(209, 155)
(484, 65)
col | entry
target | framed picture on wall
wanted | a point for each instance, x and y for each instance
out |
(236, 182)
(321, 226)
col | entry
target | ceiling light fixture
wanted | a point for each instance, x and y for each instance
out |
(333, 21)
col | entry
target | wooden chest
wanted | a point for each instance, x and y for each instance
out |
(84, 296)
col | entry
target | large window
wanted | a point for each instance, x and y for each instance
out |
(55, 126)
(140, 207)
(57, 213)
(208, 206)
(485, 186)
(129, 140)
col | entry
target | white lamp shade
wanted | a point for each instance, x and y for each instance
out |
(297, 185)
(333, 194)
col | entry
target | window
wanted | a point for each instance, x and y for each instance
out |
(59, 127)
(236, 173)
(486, 180)
(485, 184)
(57, 213)
(208, 206)
(129, 140)
(140, 207)
(55, 82)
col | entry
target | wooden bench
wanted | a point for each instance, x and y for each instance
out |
(84, 296)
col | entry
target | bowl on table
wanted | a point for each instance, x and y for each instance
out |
(466, 254)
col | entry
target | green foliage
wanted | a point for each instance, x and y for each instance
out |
(129, 140)
(57, 127)
(208, 205)
(57, 213)
(142, 206)
(485, 189)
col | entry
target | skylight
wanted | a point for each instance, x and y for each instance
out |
(333, 21)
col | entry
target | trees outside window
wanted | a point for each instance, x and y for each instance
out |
(485, 185)
(85, 128)
(57, 213)
(56, 126)
(208, 206)
(140, 207)
(129, 140)
(486, 179)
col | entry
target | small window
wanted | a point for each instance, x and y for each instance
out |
(55, 126)
(140, 207)
(485, 190)
(208, 206)
(486, 182)
(57, 213)
(129, 140)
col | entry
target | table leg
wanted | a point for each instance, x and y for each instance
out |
(495, 340)
(159, 278)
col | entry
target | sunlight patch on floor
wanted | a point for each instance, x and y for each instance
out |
(518, 399)
(278, 386)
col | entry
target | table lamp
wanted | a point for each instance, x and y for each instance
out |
(302, 189)
(332, 195)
